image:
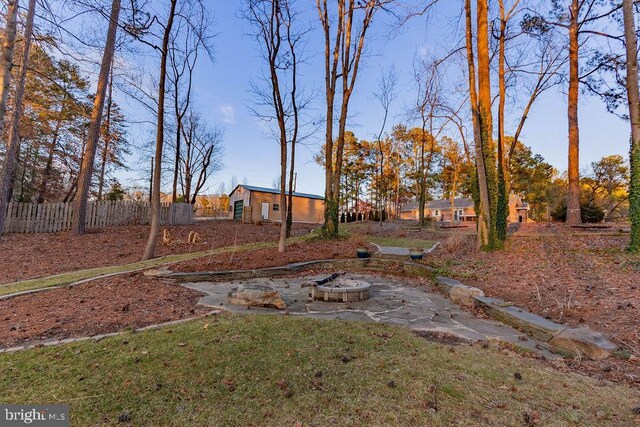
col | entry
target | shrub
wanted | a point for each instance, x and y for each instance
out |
(454, 243)
(590, 212)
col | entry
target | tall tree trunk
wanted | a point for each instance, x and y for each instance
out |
(7, 44)
(179, 116)
(107, 137)
(482, 198)
(633, 97)
(486, 122)
(422, 183)
(452, 196)
(283, 196)
(10, 157)
(86, 170)
(503, 196)
(573, 195)
(291, 185)
(150, 249)
(331, 59)
(42, 193)
(330, 228)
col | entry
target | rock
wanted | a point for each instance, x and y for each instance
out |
(124, 417)
(464, 295)
(157, 272)
(256, 296)
(584, 342)
(458, 292)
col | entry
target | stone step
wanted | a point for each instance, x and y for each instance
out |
(532, 324)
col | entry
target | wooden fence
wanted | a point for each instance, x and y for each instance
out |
(53, 217)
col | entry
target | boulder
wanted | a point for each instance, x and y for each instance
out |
(464, 295)
(458, 293)
(584, 342)
(256, 296)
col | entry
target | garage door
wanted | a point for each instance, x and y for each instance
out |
(237, 209)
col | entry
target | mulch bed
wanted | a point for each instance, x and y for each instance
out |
(563, 274)
(27, 256)
(566, 276)
(261, 258)
(101, 306)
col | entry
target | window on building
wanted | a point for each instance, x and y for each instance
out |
(276, 207)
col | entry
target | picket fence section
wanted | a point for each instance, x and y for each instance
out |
(54, 217)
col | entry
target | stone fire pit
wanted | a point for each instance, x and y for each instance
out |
(338, 289)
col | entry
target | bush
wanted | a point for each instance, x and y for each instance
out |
(590, 212)
(454, 243)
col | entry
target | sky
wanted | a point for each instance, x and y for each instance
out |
(223, 97)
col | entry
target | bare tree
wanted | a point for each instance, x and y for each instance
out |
(544, 74)
(278, 98)
(8, 167)
(201, 158)
(150, 249)
(343, 49)
(107, 136)
(190, 38)
(86, 171)
(427, 108)
(182, 66)
(385, 95)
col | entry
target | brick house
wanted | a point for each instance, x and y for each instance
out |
(463, 210)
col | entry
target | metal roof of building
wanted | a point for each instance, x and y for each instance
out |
(275, 191)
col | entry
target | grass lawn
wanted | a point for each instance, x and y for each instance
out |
(401, 242)
(280, 370)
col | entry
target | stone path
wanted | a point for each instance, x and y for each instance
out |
(391, 301)
(397, 250)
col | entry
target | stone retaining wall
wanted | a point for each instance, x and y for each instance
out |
(581, 342)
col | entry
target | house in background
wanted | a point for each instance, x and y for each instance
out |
(463, 210)
(249, 203)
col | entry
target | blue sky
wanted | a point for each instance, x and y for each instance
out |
(222, 95)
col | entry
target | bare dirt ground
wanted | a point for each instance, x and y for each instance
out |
(101, 306)
(297, 252)
(27, 256)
